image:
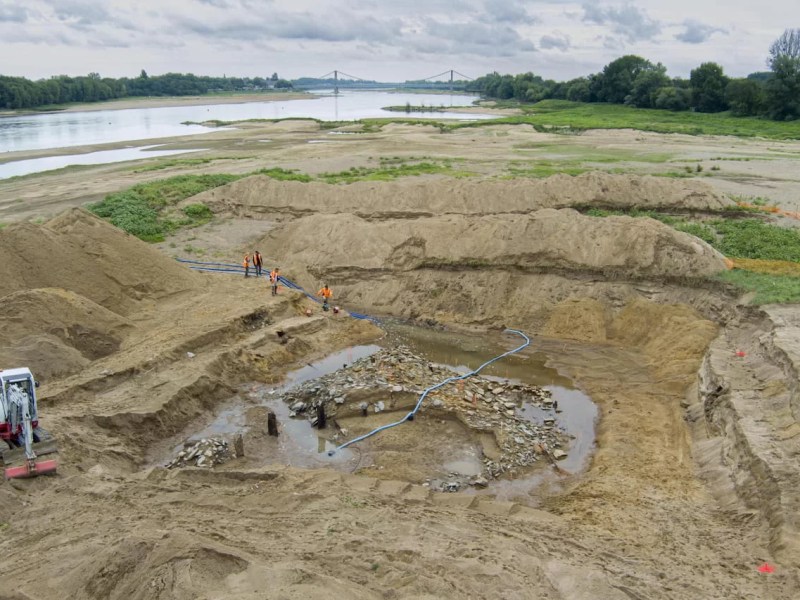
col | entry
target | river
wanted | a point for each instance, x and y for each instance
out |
(67, 129)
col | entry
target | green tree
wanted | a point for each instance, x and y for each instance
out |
(783, 89)
(618, 76)
(646, 86)
(578, 90)
(673, 98)
(786, 45)
(708, 88)
(745, 97)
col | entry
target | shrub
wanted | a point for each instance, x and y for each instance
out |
(198, 211)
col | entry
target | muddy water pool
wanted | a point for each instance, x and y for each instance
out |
(435, 449)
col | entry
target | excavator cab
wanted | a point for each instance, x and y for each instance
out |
(22, 441)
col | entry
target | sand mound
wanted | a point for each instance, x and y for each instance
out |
(545, 240)
(77, 251)
(56, 332)
(414, 197)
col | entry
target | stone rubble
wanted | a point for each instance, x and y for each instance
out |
(205, 453)
(484, 405)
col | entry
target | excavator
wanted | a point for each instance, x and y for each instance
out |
(22, 441)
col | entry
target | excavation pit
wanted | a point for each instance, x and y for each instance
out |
(504, 431)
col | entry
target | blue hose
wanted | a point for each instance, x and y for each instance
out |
(233, 269)
(410, 416)
(207, 266)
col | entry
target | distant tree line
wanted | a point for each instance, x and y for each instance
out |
(635, 81)
(18, 92)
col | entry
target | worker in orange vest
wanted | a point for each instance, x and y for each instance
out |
(258, 262)
(273, 280)
(326, 294)
(246, 265)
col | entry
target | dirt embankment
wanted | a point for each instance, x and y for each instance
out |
(261, 195)
(70, 286)
(545, 240)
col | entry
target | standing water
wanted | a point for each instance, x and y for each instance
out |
(435, 447)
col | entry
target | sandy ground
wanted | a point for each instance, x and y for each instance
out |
(747, 167)
(693, 484)
(163, 101)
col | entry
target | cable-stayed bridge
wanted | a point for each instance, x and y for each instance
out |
(450, 80)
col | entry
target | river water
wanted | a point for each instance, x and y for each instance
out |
(67, 129)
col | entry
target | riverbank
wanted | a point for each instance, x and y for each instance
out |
(167, 101)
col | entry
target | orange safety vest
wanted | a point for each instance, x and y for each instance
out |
(246, 260)
(325, 293)
(273, 276)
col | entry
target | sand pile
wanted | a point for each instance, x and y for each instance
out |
(56, 332)
(76, 251)
(414, 197)
(545, 240)
(68, 286)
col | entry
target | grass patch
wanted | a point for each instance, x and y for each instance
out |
(141, 210)
(388, 172)
(175, 162)
(573, 117)
(750, 238)
(766, 258)
(544, 168)
(189, 249)
(409, 108)
(285, 174)
(184, 162)
(735, 238)
(768, 288)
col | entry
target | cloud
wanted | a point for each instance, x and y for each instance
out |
(507, 11)
(696, 32)
(555, 42)
(474, 37)
(628, 21)
(13, 14)
(20, 36)
(291, 26)
(80, 12)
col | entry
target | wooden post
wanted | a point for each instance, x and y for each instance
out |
(321, 416)
(238, 445)
(272, 424)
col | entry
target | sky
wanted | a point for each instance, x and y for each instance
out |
(386, 40)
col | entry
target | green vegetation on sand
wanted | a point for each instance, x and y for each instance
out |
(143, 209)
(576, 116)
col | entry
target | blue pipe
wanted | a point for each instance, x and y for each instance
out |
(232, 269)
(410, 416)
(423, 395)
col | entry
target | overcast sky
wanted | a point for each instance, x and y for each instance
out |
(387, 40)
